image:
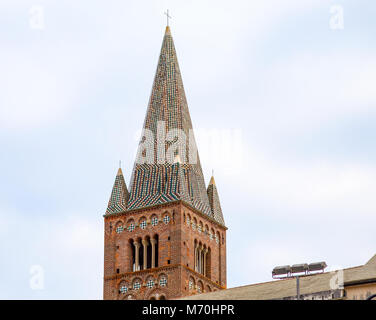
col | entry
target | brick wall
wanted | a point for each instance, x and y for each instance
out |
(175, 253)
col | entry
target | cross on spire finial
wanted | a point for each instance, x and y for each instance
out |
(168, 16)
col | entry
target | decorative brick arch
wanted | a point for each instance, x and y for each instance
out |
(136, 281)
(200, 227)
(191, 284)
(161, 277)
(150, 280)
(200, 286)
(155, 293)
(131, 221)
(119, 226)
(154, 220)
(130, 296)
(121, 294)
(142, 222)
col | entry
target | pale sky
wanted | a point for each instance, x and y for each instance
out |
(288, 86)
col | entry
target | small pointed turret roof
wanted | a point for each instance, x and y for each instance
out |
(214, 202)
(119, 195)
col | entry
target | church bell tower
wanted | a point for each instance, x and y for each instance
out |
(165, 237)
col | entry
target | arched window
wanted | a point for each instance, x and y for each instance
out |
(200, 286)
(150, 283)
(200, 258)
(119, 227)
(131, 225)
(195, 246)
(148, 252)
(163, 280)
(132, 254)
(123, 287)
(137, 284)
(154, 220)
(166, 218)
(137, 254)
(200, 227)
(194, 224)
(142, 223)
(217, 237)
(191, 284)
(144, 253)
(154, 251)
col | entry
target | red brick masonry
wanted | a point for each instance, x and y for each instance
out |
(175, 253)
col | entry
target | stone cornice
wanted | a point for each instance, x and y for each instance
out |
(141, 272)
(203, 215)
(163, 205)
(163, 268)
(202, 277)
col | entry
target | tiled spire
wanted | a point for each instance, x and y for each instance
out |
(214, 202)
(154, 180)
(119, 195)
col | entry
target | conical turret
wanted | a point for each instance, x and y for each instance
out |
(119, 195)
(214, 202)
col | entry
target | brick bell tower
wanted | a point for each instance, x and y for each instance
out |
(165, 238)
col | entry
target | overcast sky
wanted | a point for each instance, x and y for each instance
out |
(283, 103)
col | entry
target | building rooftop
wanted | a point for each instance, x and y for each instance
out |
(278, 289)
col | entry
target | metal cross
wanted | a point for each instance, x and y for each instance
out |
(168, 16)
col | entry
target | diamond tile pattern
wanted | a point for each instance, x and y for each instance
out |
(119, 195)
(154, 181)
(214, 202)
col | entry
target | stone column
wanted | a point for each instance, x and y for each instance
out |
(195, 259)
(137, 251)
(202, 261)
(205, 252)
(145, 244)
(199, 258)
(196, 269)
(153, 242)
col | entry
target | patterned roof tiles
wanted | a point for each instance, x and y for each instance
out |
(214, 202)
(174, 176)
(119, 195)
